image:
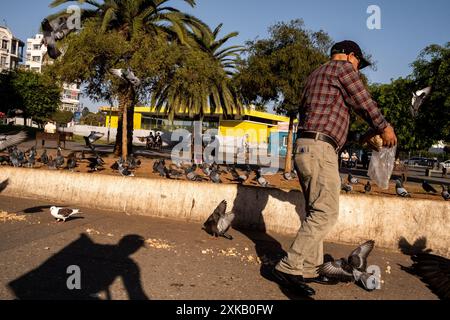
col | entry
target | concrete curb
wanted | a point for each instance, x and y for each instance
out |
(384, 220)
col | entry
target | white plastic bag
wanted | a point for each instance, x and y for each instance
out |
(381, 166)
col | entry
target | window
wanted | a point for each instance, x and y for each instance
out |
(5, 44)
(36, 47)
(36, 59)
(28, 56)
(13, 47)
(2, 61)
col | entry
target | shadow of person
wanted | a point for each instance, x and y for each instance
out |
(248, 208)
(433, 270)
(99, 266)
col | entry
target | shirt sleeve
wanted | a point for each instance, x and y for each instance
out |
(360, 99)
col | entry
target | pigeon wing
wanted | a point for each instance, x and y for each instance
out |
(13, 140)
(358, 257)
(434, 271)
(335, 269)
(4, 184)
(225, 222)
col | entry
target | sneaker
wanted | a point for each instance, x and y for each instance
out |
(292, 282)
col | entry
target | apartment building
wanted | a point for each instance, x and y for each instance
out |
(11, 50)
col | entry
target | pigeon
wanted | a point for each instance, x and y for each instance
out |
(354, 268)
(352, 179)
(191, 175)
(59, 160)
(32, 157)
(127, 75)
(71, 161)
(62, 214)
(418, 99)
(4, 159)
(434, 271)
(428, 187)
(219, 222)
(346, 187)
(3, 185)
(260, 179)
(54, 31)
(44, 157)
(289, 176)
(124, 171)
(445, 193)
(240, 178)
(96, 163)
(116, 164)
(401, 191)
(13, 156)
(368, 187)
(10, 140)
(206, 169)
(215, 176)
(51, 164)
(132, 162)
(93, 137)
(161, 168)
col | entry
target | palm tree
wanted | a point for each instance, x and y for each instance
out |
(130, 18)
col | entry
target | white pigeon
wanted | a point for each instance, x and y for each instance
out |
(61, 214)
(127, 75)
(418, 99)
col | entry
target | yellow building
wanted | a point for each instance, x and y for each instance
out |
(255, 126)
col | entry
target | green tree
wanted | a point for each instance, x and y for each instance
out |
(36, 94)
(93, 119)
(85, 112)
(276, 69)
(62, 117)
(127, 22)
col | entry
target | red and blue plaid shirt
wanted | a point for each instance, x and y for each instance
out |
(329, 93)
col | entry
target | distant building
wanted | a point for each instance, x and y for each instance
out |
(36, 58)
(11, 50)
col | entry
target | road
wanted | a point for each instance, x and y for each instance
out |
(178, 262)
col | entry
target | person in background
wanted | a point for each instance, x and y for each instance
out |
(345, 158)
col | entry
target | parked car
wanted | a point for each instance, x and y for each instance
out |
(445, 164)
(416, 161)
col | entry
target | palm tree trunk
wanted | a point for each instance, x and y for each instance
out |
(124, 138)
(290, 145)
(118, 145)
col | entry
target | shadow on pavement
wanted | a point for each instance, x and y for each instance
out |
(431, 269)
(99, 267)
(249, 206)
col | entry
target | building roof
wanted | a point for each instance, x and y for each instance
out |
(247, 112)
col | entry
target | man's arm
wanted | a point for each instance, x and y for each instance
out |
(361, 101)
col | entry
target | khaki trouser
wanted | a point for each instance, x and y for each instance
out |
(317, 165)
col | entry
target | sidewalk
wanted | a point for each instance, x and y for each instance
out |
(179, 261)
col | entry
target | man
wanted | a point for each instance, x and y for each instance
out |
(330, 92)
(345, 157)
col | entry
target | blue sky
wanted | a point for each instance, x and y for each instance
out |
(408, 26)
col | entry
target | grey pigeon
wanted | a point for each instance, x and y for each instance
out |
(215, 176)
(237, 177)
(192, 175)
(71, 161)
(289, 176)
(260, 179)
(13, 156)
(10, 140)
(132, 162)
(116, 164)
(445, 193)
(44, 157)
(401, 191)
(127, 75)
(95, 164)
(346, 187)
(62, 214)
(352, 179)
(219, 222)
(354, 268)
(418, 99)
(368, 187)
(59, 160)
(54, 31)
(428, 187)
(92, 138)
(51, 164)
(32, 157)
(124, 171)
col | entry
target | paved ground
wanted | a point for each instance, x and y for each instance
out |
(179, 261)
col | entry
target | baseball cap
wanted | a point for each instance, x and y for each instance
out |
(347, 47)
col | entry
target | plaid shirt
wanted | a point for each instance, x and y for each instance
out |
(329, 93)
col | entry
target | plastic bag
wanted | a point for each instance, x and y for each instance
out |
(381, 166)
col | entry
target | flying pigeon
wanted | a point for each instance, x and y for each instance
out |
(368, 187)
(127, 75)
(418, 99)
(401, 191)
(93, 137)
(352, 179)
(434, 271)
(219, 222)
(354, 268)
(428, 187)
(10, 140)
(61, 214)
(54, 31)
(445, 193)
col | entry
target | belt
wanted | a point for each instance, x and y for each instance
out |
(318, 136)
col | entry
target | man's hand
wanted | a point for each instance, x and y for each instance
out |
(389, 137)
